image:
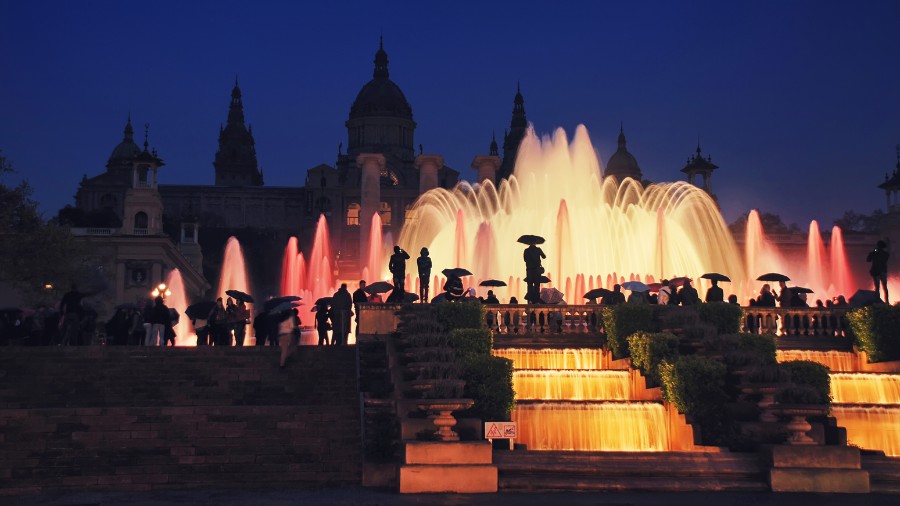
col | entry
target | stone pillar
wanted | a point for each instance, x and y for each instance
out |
(428, 166)
(487, 166)
(370, 198)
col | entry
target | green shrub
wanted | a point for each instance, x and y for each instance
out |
(460, 315)
(621, 321)
(489, 383)
(702, 332)
(649, 350)
(877, 331)
(471, 342)
(761, 344)
(724, 316)
(720, 342)
(696, 386)
(674, 317)
(805, 373)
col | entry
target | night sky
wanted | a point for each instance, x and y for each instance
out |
(797, 102)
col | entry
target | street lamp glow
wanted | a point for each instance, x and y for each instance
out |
(161, 291)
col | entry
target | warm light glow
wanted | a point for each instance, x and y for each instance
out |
(865, 388)
(572, 385)
(836, 361)
(871, 427)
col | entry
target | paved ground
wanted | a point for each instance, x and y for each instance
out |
(359, 496)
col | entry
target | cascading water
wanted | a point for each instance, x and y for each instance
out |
(566, 400)
(836, 361)
(184, 333)
(865, 388)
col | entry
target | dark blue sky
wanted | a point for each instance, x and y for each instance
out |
(798, 102)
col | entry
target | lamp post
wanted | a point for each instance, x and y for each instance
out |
(161, 291)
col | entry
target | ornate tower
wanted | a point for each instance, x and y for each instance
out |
(891, 186)
(143, 206)
(235, 161)
(623, 164)
(518, 126)
(703, 167)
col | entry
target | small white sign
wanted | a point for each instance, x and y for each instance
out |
(500, 430)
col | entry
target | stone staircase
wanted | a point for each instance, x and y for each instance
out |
(884, 472)
(148, 418)
(522, 471)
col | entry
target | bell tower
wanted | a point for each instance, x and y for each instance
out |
(235, 161)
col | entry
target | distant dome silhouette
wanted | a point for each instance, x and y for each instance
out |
(381, 96)
(623, 164)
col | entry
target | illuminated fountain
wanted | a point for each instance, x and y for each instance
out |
(177, 299)
(566, 400)
(835, 361)
(841, 275)
(234, 269)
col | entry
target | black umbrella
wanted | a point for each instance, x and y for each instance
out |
(597, 293)
(239, 295)
(410, 297)
(799, 289)
(541, 279)
(325, 301)
(863, 298)
(531, 239)
(276, 301)
(456, 272)
(200, 310)
(715, 276)
(284, 307)
(773, 276)
(378, 287)
(492, 282)
(674, 282)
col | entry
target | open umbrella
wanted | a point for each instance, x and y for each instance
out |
(715, 276)
(456, 272)
(531, 239)
(800, 289)
(542, 279)
(654, 287)
(551, 296)
(239, 295)
(635, 286)
(324, 301)
(863, 298)
(773, 276)
(200, 310)
(272, 303)
(597, 293)
(675, 282)
(284, 307)
(378, 287)
(410, 297)
(492, 282)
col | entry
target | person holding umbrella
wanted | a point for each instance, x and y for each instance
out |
(424, 265)
(321, 321)
(715, 293)
(533, 269)
(879, 258)
(688, 294)
(342, 306)
(240, 317)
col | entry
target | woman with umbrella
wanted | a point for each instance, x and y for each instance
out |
(321, 322)
(240, 319)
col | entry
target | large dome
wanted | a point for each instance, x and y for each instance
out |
(381, 96)
(127, 149)
(623, 164)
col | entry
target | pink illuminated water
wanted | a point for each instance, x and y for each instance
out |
(291, 269)
(841, 275)
(184, 335)
(816, 268)
(234, 270)
(377, 269)
(320, 278)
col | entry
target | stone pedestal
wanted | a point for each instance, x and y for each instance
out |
(435, 467)
(486, 166)
(428, 166)
(817, 469)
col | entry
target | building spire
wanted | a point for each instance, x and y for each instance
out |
(621, 135)
(146, 136)
(493, 151)
(129, 130)
(381, 61)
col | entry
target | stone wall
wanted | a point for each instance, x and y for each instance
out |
(149, 418)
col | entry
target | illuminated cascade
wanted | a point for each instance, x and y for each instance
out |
(569, 358)
(865, 388)
(836, 361)
(871, 427)
(572, 385)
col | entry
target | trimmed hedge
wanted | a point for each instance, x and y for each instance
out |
(489, 383)
(696, 386)
(469, 343)
(460, 315)
(724, 316)
(877, 331)
(649, 350)
(811, 375)
(621, 321)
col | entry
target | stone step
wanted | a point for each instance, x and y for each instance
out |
(561, 483)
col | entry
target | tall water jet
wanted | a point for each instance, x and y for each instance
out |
(178, 301)
(486, 260)
(815, 260)
(760, 255)
(557, 192)
(234, 270)
(841, 275)
(320, 280)
(375, 255)
(290, 270)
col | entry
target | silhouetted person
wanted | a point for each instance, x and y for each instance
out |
(218, 324)
(879, 258)
(359, 297)
(342, 306)
(732, 299)
(715, 293)
(453, 288)
(665, 293)
(261, 328)
(784, 295)
(491, 298)
(688, 295)
(636, 297)
(397, 266)
(533, 271)
(159, 320)
(72, 312)
(766, 297)
(424, 265)
(616, 297)
(288, 334)
(240, 318)
(322, 325)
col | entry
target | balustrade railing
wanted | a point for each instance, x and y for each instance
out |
(796, 321)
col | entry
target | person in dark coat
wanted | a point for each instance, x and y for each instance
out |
(688, 295)
(424, 265)
(321, 324)
(72, 312)
(218, 324)
(766, 297)
(261, 328)
(715, 293)
(159, 320)
(397, 266)
(359, 297)
(342, 305)
(533, 271)
(617, 297)
(117, 328)
(879, 270)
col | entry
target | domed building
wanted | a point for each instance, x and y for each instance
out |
(623, 164)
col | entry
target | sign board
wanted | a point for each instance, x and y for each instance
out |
(500, 430)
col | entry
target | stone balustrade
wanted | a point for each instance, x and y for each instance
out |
(796, 321)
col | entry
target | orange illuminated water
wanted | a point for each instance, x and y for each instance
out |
(572, 385)
(234, 270)
(184, 333)
(569, 358)
(871, 427)
(593, 426)
(865, 388)
(836, 361)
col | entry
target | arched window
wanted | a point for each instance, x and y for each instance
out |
(385, 211)
(141, 223)
(353, 214)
